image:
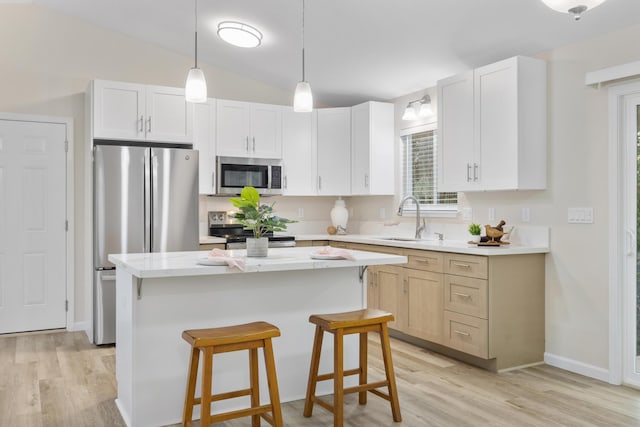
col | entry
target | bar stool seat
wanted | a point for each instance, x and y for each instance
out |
(250, 336)
(339, 324)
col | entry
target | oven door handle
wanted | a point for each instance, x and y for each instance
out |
(282, 244)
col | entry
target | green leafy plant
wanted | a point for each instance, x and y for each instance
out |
(474, 229)
(256, 217)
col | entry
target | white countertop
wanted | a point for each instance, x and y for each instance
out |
(177, 264)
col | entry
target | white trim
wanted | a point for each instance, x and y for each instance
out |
(417, 129)
(577, 367)
(78, 326)
(616, 72)
(616, 231)
(69, 206)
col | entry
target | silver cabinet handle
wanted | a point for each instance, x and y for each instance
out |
(285, 182)
(462, 295)
(465, 334)
(468, 172)
(422, 260)
(254, 144)
(141, 123)
(366, 180)
(246, 147)
(149, 125)
(405, 285)
(319, 183)
(475, 172)
(457, 264)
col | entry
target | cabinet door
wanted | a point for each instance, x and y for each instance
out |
(168, 115)
(204, 131)
(233, 128)
(334, 148)
(298, 153)
(118, 110)
(372, 149)
(424, 292)
(266, 131)
(456, 164)
(496, 131)
(389, 283)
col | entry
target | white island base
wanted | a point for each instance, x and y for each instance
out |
(175, 295)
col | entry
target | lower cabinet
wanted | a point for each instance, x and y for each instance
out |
(209, 246)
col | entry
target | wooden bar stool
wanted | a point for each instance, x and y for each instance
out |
(340, 324)
(250, 336)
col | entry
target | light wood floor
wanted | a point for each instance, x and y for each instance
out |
(59, 379)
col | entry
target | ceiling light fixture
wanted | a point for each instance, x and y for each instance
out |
(418, 108)
(303, 98)
(239, 34)
(574, 7)
(195, 90)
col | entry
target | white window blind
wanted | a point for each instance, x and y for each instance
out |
(420, 173)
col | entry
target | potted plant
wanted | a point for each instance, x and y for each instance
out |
(258, 218)
(474, 230)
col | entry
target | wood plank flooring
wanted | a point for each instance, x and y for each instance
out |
(60, 379)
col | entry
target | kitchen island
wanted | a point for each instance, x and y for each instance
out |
(158, 295)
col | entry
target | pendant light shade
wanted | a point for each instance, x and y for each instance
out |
(195, 89)
(574, 7)
(303, 98)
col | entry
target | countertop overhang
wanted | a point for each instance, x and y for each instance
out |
(180, 264)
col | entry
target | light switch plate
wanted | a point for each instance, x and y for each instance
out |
(491, 214)
(580, 215)
(526, 215)
(467, 214)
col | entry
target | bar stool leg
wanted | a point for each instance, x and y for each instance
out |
(313, 372)
(362, 396)
(255, 385)
(205, 406)
(391, 377)
(187, 414)
(338, 378)
(272, 381)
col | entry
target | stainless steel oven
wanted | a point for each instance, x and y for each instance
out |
(234, 173)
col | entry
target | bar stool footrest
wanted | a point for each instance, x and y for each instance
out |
(331, 375)
(259, 410)
(366, 387)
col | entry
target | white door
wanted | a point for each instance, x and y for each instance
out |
(32, 226)
(334, 151)
(118, 110)
(168, 115)
(266, 131)
(232, 128)
(298, 152)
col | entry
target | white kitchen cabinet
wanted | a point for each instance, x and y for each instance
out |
(134, 112)
(372, 149)
(334, 152)
(246, 129)
(508, 122)
(299, 152)
(204, 133)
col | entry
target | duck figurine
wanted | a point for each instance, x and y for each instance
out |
(494, 233)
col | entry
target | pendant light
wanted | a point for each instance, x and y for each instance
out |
(303, 98)
(574, 7)
(196, 87)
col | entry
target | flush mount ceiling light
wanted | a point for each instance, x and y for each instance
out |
(239, 34)
(574, 7)
(303, 98)
(418, 108)
(195, 90)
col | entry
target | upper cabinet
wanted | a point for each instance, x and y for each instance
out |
(492, 127)
(299, 152)
(372, 149)
(334, 151)
(204, 133)
(134, 112)
(247, 129)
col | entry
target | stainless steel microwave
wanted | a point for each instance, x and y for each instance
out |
(234, 173)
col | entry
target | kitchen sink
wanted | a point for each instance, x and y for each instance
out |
(399, 239)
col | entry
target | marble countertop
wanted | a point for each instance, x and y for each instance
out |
(180, 264)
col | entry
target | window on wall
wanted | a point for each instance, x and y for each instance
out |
(420, 171)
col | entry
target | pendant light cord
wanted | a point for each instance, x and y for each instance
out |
(196, 33)
(303, 79)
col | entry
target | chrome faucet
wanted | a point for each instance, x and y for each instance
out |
(419, 228)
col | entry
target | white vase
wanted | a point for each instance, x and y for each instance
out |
(340, 216)
(257, 247)
(475, 238)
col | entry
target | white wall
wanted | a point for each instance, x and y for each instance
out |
(47, 62)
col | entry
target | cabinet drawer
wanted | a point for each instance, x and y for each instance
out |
(466, 265)
(466, 295)
(209, 246)
(466, 333)
(342, 245)
(425, 260)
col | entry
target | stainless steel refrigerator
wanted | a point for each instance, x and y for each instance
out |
(145, 200)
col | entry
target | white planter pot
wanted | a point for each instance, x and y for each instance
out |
(257, 247)
(475, 239)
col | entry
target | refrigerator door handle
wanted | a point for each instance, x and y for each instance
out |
(154, 202)
(147, 205)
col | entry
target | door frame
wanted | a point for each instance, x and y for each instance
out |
(620, 314)
(69, 204)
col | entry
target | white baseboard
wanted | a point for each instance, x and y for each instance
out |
(577, 367)
(78, 326)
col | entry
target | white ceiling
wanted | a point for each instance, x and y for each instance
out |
(356, 50)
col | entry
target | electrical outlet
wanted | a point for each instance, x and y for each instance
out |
(300, 212)
(526, 215)
(467, 214)
(382, 213)
(491, 214)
